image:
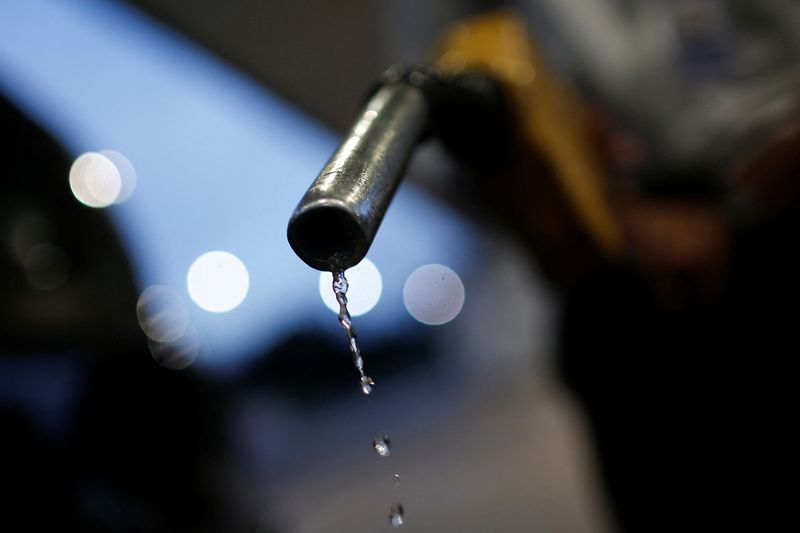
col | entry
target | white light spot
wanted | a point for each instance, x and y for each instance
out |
(218, 281)
(162, 314)
(433, 294)
(365, 290)
(95, 180)
(127, 174)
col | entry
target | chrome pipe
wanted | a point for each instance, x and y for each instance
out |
(336, 221)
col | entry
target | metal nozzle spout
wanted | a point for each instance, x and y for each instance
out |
(336, 220)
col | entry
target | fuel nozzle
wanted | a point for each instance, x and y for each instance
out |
(336, 221)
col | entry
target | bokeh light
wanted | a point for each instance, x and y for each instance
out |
(366, 286)
(433, 294)
(177, 354)
(95, 180)
(46, 266)
(127, 174)
(100, 179)
(218, 281)
(162, 314)
(27, 229)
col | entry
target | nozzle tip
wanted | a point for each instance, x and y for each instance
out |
(327, 235)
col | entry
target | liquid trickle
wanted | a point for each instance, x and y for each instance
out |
(366, 384)
(382, 445)
(396, 515)
(340, 287)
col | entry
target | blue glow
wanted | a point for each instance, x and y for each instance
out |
(220, 162)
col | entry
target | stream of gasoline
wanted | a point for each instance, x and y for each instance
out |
(340, 287)
(381, 443)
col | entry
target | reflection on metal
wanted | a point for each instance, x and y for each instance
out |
(336, 221)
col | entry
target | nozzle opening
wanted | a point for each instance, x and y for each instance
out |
(327, 237)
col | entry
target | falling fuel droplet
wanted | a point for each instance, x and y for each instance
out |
(340, 287)
(366, 384)
(396, 515)
(382, 445)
